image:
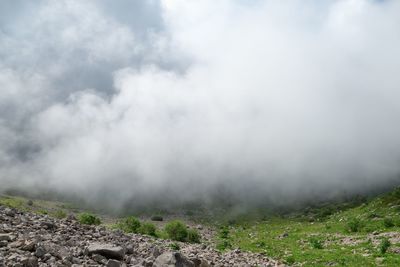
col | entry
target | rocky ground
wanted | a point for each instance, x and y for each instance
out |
(28, 239)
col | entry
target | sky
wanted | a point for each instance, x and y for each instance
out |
(136, 101)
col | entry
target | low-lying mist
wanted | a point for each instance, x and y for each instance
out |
(159, 103)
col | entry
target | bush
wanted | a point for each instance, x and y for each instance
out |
(384, 246)
(354, 225)
(157, 218)
(316, 243)
(224, 232)
(175, 246)
(176, 230)
(388, 222)
(148, 229)
(90, 219)
(130, 225)
(193, 236)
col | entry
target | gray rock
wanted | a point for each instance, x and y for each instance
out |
(200, 263)
(40, 252)
(155, 252)
(29, 246)
(108, 251)
(129, 249)
(171, 259)
(29, 261)
(113, 263)
(71, 217)
(99, 258)
(57, 251)
(9, 212)
(49, 225)
(5, 237)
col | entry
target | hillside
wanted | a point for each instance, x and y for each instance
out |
(365, 232)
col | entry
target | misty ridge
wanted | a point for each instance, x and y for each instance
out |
(162, 103)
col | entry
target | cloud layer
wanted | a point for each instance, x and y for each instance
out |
(182, 99)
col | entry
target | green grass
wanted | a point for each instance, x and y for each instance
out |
(52, 208)
(14, 202)
(342, 238)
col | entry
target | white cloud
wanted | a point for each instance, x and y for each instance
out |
(281, 98)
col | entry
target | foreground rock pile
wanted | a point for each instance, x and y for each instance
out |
(36, 240)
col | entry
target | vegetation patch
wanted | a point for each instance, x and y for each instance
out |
(178, 231)
(175, 246)
(59, 214)
(148, 229)
(384, 245)
(89, 219)
(357, 235)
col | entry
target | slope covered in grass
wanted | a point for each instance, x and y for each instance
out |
(337, 235)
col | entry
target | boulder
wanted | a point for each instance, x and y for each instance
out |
(171, 259)
(108, 251)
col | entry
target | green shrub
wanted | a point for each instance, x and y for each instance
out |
(90, 219)
(157, 218)
(176, 230)
(316, 243)
(193, 236)
(130, 225)
(384, 246)
(148, 229)
(354, 225)
(175, 246)
(388, 222)
(224, 232)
